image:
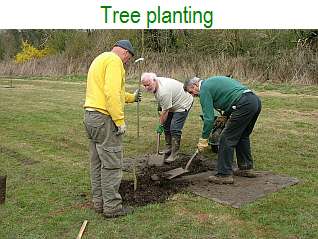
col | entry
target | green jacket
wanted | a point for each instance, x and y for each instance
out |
(218, 92)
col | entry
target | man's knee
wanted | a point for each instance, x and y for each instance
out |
(226, 141)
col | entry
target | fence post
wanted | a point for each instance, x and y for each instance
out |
(3, 182)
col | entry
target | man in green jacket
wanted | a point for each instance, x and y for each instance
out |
(105, 124)
(242, 107)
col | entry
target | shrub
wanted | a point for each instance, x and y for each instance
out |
(29, 52)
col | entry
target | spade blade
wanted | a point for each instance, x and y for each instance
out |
(174, 173)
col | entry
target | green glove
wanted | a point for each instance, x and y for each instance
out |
(160, 129)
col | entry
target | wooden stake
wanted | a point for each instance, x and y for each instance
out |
(135, 176)
(3, 180)
(82, 230)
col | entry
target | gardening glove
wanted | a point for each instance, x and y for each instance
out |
(137, 95)
(160, 129)
(203, 143)
(220, 121)
(121, 129)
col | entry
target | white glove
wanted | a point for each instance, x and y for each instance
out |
(121, 129)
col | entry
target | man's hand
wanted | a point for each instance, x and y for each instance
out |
(220, 121)
(160, 129)
(137, 94)
(203, 143)
(121, 129)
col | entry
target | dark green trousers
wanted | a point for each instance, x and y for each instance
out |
(236, 134)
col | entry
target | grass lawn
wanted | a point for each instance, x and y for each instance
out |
(44, 152)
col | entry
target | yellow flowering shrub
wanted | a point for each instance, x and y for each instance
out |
(29, 52)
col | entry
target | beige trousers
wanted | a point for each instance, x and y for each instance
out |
(106, 156)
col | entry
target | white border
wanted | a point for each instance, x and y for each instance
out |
(227, 14)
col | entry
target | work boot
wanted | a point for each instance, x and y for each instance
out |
(118, 212)
(175, 145)
(167, 150)
(98, 207)
(248, 173)
(221, 179)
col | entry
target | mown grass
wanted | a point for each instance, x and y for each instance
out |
(43, 150)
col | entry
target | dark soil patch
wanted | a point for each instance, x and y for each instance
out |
(149, 191)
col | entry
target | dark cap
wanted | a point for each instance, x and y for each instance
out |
(125, 44)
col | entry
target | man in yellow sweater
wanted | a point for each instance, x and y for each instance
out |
(105, 124)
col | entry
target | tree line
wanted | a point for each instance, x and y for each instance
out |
(270, 54)
(78, 43)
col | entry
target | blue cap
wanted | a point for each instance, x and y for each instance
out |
(125, 44)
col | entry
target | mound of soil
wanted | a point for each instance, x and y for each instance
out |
(149, 191)
(159, 190)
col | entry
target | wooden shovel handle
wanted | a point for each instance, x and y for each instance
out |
(158, 143)
(192, 157)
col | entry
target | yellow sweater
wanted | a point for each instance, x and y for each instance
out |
(105, 89)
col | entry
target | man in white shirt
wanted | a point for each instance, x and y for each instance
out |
(175, 104)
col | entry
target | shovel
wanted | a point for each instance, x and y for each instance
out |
(179, 171)
(156, 159)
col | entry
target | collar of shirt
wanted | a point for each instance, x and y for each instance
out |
(200, 82)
